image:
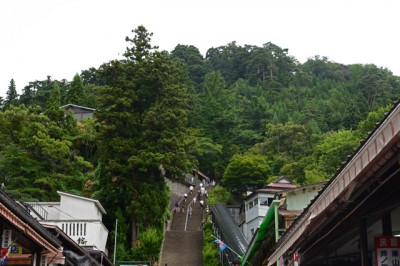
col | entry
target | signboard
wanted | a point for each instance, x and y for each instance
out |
(387, 251)
(6, 239)
(15, 249)
(296, 259)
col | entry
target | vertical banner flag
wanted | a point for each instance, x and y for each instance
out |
(221, 245)
(4, 255)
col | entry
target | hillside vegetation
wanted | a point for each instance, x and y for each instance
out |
(243, 115)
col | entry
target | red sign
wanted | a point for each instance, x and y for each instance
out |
(387, 251)
(296, 258)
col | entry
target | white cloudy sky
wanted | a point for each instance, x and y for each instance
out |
(62, 37)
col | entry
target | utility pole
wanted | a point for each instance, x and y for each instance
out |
(115, 240)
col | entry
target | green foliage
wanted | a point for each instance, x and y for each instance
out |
(218, 194)
(150, 203)
(12, 95)
(208, 155)
(295, 170)
(142, 115)
(330, 153)
(53, 110)
(270, 64)
(141, 47)
(33, 159)
(288, 139)
(246, 171)
(210, 250)
(195, 62)
(76, 92)
(123, 252)
(229, 60)
(246, 113)
(85, 140)
(149, 243)
(368, 125)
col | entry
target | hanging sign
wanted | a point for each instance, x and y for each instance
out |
(387, 251)
(296, 259)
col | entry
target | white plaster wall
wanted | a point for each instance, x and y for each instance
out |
(75, 208)
(254, 224)
(251, 213)
(258, 210)
(96, 233)
(299, 200)
(244, 231)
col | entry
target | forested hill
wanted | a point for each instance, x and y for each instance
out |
(241, 114)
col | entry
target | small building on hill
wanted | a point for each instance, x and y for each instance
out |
(257, 203)
(294, 201)
(282, 211)
(79, 112)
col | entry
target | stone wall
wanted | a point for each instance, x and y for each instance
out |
(176, 192)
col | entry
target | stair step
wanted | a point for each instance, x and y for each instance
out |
(182, 248)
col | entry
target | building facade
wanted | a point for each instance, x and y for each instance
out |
(281, 213)
(78, 112)
(78, 217)
(257, 203)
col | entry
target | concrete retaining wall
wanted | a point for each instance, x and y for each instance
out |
(176, 192)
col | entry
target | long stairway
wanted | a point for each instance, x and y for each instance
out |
(183, 243)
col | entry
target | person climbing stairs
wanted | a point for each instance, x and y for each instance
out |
(184, 241)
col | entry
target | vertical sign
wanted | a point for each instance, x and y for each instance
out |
(296, 259)
(6, 239)
(387, 251)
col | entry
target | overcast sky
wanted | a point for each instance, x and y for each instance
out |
(63, 37)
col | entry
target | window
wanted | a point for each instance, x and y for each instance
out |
(252, 204)
(266, 201)
(84, 229)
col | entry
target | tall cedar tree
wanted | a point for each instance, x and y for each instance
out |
(76, 93)
(142, 112)
(12, 95)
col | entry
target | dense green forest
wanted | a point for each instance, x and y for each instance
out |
(243, 115)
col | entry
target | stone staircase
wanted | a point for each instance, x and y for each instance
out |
(183, 242)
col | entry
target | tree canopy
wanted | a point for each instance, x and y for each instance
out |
(243, 115)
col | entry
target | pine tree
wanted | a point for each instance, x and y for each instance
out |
(12, 95)
(143, 113)
(76, 93)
